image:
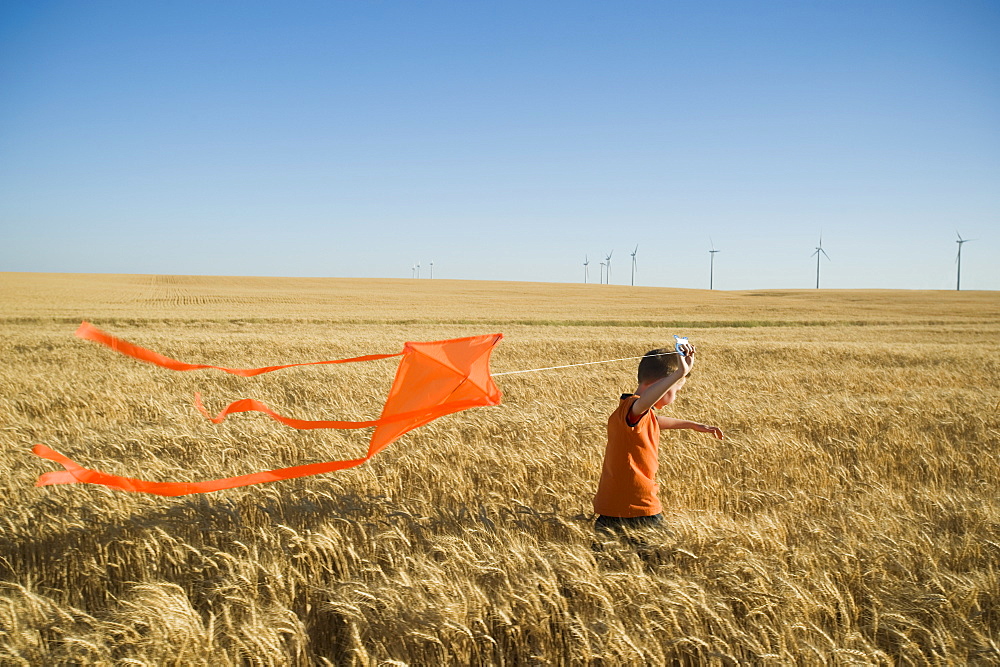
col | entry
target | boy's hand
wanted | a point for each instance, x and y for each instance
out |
(714, 430)
(686, 356)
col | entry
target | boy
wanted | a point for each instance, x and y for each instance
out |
(627, 493)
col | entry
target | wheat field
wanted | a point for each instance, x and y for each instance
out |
(851, 515)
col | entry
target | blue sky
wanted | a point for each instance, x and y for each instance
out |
(504, 140)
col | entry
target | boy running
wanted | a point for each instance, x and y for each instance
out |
(627, 492)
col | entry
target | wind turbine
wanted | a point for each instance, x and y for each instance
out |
(586, 271)
(413, 271)
(608, 260)
(602, 273)
(633, 263)
(711, 267)
(432, 269)
(960, 242)
(819, 251)
(418, 269)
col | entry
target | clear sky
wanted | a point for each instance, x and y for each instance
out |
(504, 140)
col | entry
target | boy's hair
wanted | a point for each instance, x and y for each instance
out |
(657, 364)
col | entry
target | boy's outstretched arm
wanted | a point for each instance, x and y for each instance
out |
(670, 422)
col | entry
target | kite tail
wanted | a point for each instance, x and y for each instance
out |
(88, 331)
(424, 414)
(76, 473)
(67, 476)
(251, 405)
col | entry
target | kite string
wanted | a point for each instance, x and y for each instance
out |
(585, 363)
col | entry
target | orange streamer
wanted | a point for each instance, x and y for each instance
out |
(88, 331)
(433, 379)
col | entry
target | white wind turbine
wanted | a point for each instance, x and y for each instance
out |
(602, 273)
(633, 263)
(711, 267)
(819, 251)
(586, 271)
(432, 269)
(608, 260)
(960, 242)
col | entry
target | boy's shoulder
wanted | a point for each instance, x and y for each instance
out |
(622, 412)
(625, 399)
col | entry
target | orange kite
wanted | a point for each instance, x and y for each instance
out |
(433, 379)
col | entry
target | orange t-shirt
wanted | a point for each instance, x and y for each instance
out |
(628, 485)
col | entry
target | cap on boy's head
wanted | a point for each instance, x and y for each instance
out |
(657, 364)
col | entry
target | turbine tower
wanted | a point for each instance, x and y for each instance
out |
(418, 269)
(432, 269)
(711, 265)
(413, 271)
(960, 242)
(819, 251)
(608, 260)
(633, 263)
(586, 271)
(602, 273)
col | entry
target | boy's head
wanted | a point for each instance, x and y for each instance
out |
(656, 365)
